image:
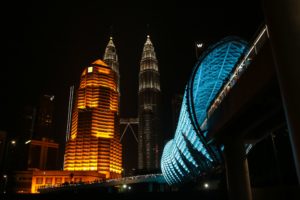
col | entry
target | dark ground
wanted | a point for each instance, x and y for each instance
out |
(153, 196)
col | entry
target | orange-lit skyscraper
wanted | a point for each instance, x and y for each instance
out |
(94, 142)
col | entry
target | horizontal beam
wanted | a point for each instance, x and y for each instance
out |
(129, 121)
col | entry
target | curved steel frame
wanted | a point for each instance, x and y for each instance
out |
(188, 154)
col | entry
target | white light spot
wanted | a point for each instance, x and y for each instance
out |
(28, 141)
(200, 45)
(90, 69)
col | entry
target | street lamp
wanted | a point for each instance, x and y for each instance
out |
(28, 141)
(123, 172)
(198, 46)
(9, 144)
(206, 185)
(5, 183)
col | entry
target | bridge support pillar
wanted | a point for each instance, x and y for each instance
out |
(150, 187)
(161, 187)
(238, 181)
(283, 20)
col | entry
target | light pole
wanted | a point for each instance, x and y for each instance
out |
(123, 172)
(4, 176)
(198, 46)
(11, 143)
(5, 183)
(206, 185)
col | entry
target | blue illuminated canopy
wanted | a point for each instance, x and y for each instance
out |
(188, 154)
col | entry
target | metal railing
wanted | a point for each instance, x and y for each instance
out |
(102, 182)
(239, 69)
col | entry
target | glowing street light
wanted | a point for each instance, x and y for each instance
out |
(206, 186)
(13, 142)
(28, 141)
(5, 183)
(199, 45)
(124, 186)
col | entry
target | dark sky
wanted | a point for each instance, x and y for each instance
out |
(47, 45)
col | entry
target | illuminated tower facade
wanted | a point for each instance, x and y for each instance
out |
(111, 59)
(94, 142)
(149, 137)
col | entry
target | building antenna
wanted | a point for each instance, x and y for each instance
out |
(111, 30)
(148, 29)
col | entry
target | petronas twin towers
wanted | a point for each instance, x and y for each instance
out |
(149, 94)
(93, 140)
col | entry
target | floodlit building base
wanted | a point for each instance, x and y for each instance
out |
(56, 178)
(31, 181)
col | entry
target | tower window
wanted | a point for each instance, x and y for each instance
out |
(90, 69)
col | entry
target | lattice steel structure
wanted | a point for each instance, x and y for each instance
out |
(94, 143)
(149, 131)
(189, 154)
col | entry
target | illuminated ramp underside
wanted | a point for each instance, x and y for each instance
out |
(188, 154)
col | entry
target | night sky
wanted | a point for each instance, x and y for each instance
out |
(47, 45)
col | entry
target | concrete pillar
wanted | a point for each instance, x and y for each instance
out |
(150, 187)
(283, 20)
(161, 187)
(238, 181)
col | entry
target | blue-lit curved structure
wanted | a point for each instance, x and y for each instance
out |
(189, 154)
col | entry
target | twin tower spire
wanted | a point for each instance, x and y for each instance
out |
(111, 59)
(149, 105)
(94, 142)
(148, 62)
